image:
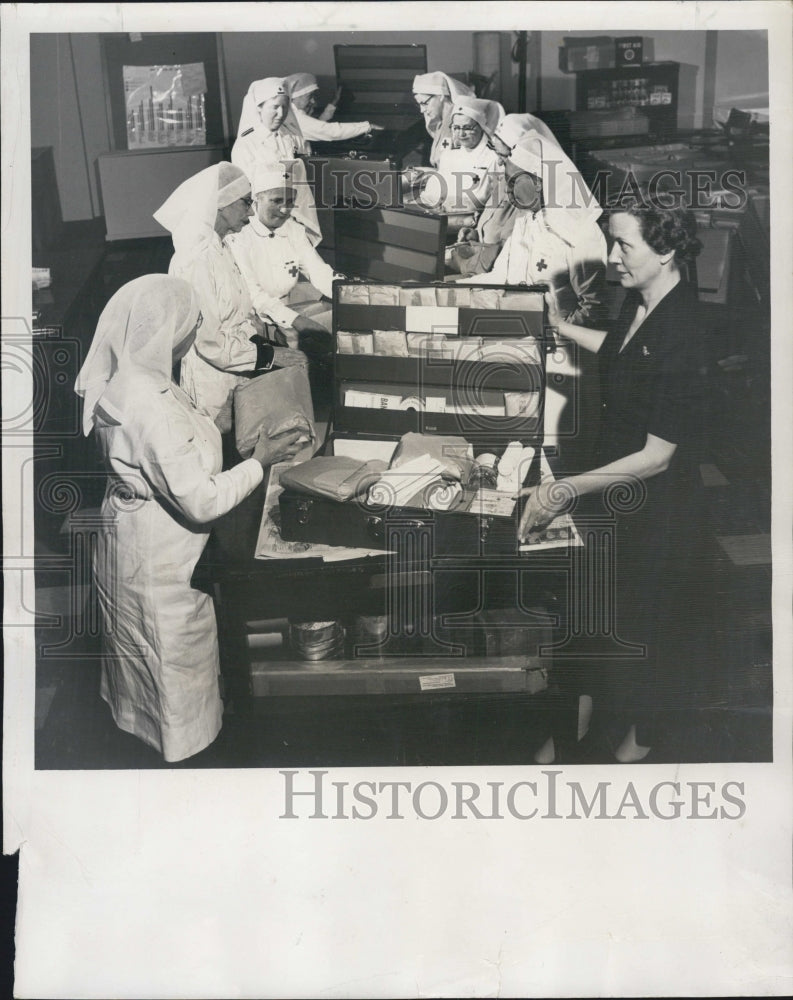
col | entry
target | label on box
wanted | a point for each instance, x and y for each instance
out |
(434, 682)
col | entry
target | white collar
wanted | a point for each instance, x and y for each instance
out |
(261, 230)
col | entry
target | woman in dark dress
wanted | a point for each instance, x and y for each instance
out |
(645, 482)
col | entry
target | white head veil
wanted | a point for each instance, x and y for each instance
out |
(568, 203)
(189, 213)
(299, 84)
(132, 349)
(442, 84)
(486, 114)
(259, 92)
(512, 128)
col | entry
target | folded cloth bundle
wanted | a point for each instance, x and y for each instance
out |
(334, 476)
(454, 454)
(276, 402)
(390, 343)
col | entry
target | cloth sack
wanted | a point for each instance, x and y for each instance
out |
(337, 477)
(278, 401)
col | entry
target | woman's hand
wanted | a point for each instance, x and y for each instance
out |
(468, 234)
(280, 447)
(545, 502)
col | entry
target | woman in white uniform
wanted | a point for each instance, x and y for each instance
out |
(273, 251)
(556, 241)
(479, 245)
(435, 94)
(268, 132)
(199, 214)
(160, 664)
(302, 90)
(465, 174)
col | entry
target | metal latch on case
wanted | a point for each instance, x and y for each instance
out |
(374, 527)
(303, 511)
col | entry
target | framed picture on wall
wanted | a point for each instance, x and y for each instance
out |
(164, 90)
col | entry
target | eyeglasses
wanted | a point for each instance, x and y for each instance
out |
(465, 129)
(425, 102)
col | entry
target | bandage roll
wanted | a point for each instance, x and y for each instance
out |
(412, 403)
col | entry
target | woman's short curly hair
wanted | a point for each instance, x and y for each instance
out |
(663, 229)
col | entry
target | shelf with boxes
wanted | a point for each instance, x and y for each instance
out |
(439, 358)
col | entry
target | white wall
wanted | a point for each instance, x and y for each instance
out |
(57, 102)
(742, 68)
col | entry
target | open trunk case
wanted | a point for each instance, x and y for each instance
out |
(514, 316)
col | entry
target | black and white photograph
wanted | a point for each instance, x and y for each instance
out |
(395, 412)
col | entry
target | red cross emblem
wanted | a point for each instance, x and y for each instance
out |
(445, 144)
(293, 269)
(541, 265)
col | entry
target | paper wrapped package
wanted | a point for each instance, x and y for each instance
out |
(524, 351)
(454, 454)
(355, 343)
(426, 345)
(417, 297)
(390, 343)
(274, 402)
(384, 295)
(485, 298)
(354, 295)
